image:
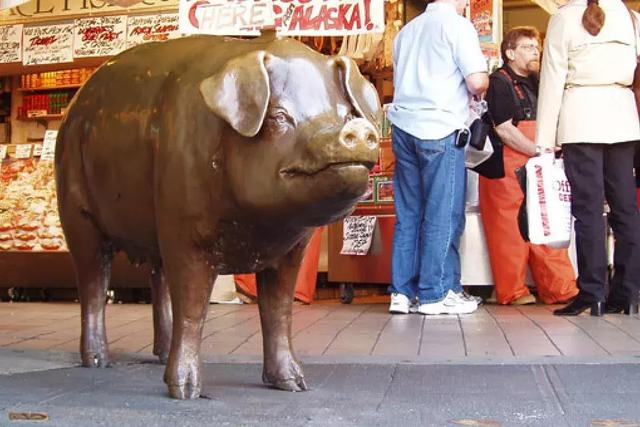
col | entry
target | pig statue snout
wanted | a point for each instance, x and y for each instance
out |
(359, 134)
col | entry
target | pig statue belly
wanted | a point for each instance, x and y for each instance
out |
(207, 156)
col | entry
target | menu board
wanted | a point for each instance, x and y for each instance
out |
(99, 36)
(151, 28)
(47, 44)
(10, 43)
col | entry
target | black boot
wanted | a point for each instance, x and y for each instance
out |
(613, 308)
(578, 306)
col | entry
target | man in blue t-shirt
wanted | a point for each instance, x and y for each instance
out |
(438, 66)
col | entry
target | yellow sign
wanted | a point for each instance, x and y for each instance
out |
(58, 10)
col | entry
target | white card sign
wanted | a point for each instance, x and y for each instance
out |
(3, 151)
(37, 150)
(47, 44)
(99, 36)
(151, 28)
(23, 151)
(49, 145)
(10, 44)
(357, 234)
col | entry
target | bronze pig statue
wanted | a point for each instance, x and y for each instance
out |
(206, 156)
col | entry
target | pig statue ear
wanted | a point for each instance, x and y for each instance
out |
(240, 92)
(361, 92)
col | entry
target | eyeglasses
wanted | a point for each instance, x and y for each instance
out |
(529, 47)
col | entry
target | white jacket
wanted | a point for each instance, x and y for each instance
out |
(585, 80)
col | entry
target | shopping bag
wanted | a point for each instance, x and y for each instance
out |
(548, 202)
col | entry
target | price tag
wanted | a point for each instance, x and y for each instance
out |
(357, 234)
(49, 145)
(37, 150)
(23, 151)
(3, 151)
(36, 113)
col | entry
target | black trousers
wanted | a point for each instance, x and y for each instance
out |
(597, 172)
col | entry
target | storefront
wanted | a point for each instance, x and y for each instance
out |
(48, 48)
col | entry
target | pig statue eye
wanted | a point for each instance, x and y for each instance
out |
(280, 118)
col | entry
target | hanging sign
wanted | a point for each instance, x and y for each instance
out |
(290, 17)
(99, 36)
(10, 44)
(328, 17)
(225, 17)
(47, 44)
(482, 18)
(357, 234)
(49, 145)
(151, 28)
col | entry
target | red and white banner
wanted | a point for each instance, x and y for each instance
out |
(99, 36)
(47, 44)
(290, 17)
(10, 44)
(151, 28)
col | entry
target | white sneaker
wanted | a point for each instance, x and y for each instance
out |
(468, 297)
(399, 304)
(451, 304)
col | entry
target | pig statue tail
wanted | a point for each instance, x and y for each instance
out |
(593, 17)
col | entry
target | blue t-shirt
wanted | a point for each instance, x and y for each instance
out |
(432, 55)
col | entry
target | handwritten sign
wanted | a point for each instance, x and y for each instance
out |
(3, 151)
(99, 36)
(49, 145)
(47, 44)
(151, 28)
(10, 44)
(328, 17)
(357, 234)
(290, 17)
(225, 17)
(23, 151)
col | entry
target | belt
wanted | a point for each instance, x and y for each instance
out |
(571, 85)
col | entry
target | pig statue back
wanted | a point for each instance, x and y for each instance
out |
(207, 156)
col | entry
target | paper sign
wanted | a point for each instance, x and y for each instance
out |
(357, 234)
(151, 28)
(99, 36)
(3, 151)
(290, 17)
(49, 145)
(10, 44)
(23, 151)
(225, 17)
(328, 17)
(47, 44)
(37, 150)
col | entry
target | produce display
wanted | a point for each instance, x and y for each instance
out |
(28, 207)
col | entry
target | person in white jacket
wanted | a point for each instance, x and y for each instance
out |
(586, 106)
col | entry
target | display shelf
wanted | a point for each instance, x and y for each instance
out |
(45, 117)
(377, 209)
(46, 88)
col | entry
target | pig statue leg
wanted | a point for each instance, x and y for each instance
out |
(275, 299)
(91, 257)
(190, 282)
(161, 314)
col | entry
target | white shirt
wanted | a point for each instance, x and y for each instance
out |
(432, 55)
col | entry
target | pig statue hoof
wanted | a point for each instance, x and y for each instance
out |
(184, 391)
(163, 357)
(291, 378)
(93, 359)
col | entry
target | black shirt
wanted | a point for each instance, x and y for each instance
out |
(504, 103)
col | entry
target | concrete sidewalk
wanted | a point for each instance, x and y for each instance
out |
(382, 393)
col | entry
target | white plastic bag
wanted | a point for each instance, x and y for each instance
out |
(548, 202)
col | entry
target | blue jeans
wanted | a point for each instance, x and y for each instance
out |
(429, 191)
